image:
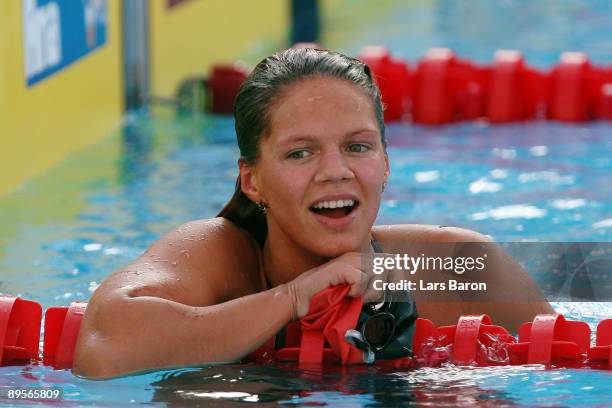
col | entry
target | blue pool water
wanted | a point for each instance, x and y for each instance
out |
(475, 29)
(549, 179)
(63, 232)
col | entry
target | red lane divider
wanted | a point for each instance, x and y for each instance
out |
(19, 330)
(223, 84)
(319, 337)
(394, 79)
(602, 352)
(61, 332)
(550, 339)
(444, 89)
(470, 333)
(462, 344)
(516, 91)
(579, 90)
(569, 96)
(433, 96)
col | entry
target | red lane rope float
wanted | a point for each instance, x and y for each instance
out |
(444, 88)
(569, 99)
(394, 79)
(604, 104)
(550, 339)
(578, 89)
(471, 330)
(448, 89)
(433, 96)
(516, 91)
(19, 330)
(224, 83)
(319, 338)
(465, 343)
(62, 326)
(602, 352)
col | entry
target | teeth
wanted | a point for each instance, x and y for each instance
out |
(334, 204)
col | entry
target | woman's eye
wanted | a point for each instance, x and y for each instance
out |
(299, 154)
(358, 148)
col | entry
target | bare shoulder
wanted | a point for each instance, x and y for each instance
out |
(198, 263)
(424, 233)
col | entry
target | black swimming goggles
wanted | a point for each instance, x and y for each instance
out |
(385, 330)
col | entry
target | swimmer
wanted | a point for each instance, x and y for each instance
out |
(312, 170)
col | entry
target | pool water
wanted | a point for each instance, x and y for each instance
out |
(62, 233)
(519, 182)
(536, 181)
(474, 29)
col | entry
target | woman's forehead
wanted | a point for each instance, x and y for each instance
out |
(322, 105)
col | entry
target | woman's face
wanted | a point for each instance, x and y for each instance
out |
(321, 167)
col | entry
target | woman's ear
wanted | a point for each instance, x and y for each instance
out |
(248, 181)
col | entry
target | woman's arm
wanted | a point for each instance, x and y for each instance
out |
(146, 332)
(195, 297)
(173, 305)
(511, 298)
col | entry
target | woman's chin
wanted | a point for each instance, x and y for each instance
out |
(333, 243)
(334, 247)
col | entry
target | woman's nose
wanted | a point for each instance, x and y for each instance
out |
(333, 166)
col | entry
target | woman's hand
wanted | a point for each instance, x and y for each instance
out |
(350, 268)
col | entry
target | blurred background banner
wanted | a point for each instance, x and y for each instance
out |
(71, 68)
(57, 33)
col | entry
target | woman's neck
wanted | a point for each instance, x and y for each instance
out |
(284, 261)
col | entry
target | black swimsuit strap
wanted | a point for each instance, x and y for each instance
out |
(375, 246)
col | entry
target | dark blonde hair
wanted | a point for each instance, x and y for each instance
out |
(263, 87)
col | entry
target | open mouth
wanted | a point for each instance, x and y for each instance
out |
(335, 209)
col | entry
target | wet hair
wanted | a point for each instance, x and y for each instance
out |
(257, 95)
